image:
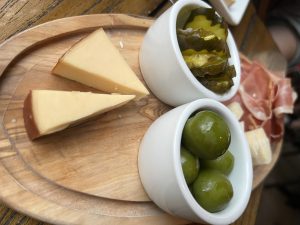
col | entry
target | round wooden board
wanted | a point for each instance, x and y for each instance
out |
(86, 174)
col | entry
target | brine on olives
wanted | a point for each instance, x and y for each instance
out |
(223, 163)
(190, 165)
(212, 190)
(206, 135)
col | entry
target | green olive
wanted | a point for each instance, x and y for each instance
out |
(206, 135)
(212, 190)
(190, 165)
(223, 163)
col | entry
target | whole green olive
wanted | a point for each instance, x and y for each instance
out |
(206, 135)
(223, 163)
(212, 190)
(190, 165)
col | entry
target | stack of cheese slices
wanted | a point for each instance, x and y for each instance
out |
(49, 111)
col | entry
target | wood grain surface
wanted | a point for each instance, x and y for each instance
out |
(102, 158)
(19, 17)
(93, 164)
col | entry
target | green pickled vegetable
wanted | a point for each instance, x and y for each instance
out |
(206, 135)
(200, 39)
(220, 83)
(223, 163)
(203, 63)
(190, 165)
(207, 19)
(212, 190)
(209, 13)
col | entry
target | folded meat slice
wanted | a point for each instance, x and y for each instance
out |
(283, 99)
(264, 98)
(257, 92)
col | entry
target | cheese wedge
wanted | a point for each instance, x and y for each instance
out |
(95, 62)
(260, 147)
(237, 110)
(47, 111)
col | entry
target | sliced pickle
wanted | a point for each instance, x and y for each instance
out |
(220, 83)
(212, 68)
(209, 13)
(200, 39)
(199, 21)
(203, 63)
(207, 19)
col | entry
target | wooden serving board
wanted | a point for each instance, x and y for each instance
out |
(85, 174)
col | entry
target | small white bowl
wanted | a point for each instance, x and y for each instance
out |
(233, 14)
(161, 172)
(164, 68)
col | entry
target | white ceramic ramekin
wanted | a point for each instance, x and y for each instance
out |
(161, 173)
(233, 13)
(164, 68)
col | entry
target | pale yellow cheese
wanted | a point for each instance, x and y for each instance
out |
(95, 61)
(260, 146)
(56, 110)
(237, 110)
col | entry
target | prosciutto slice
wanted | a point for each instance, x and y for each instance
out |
(283, 100)
(264, 97)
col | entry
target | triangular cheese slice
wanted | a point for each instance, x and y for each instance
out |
(95, 62)
(47, 111)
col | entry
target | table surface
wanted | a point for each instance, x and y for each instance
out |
(251, 37)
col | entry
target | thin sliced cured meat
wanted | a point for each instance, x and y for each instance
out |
(264, 98)
(257, 91)
(283, 100)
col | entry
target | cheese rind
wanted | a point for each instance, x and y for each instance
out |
(47, 111)
(95, 61)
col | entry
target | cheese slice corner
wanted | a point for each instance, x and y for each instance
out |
(49, 111)
(96, 62)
